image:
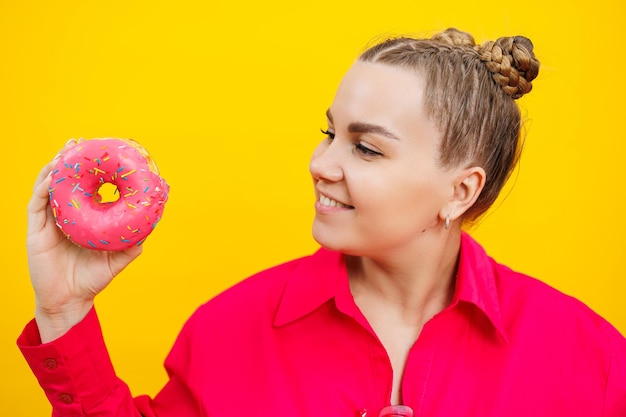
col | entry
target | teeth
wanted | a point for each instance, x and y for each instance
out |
(325, 201)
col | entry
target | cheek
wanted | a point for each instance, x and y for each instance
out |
(404, 198)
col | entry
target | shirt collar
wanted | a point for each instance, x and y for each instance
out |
(322, 276)
(476, 282)
(314, 281)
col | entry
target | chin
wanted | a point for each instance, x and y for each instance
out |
(333, 243)
(326, 239)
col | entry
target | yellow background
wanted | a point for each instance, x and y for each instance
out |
(229, 97)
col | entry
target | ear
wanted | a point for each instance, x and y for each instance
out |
(468, 185)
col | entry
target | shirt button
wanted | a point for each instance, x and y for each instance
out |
(65, 398)
(50, 363)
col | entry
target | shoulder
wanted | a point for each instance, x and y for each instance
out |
(253, 303)
(571, 338)
(525, 297)
(533, 309)
(534, 313)
(258, 293)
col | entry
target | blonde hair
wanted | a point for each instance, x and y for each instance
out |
(470, 92)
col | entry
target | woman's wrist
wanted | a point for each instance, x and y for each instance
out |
(54, 323)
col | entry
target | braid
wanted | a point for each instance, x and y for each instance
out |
(512, 63)
(455, 37)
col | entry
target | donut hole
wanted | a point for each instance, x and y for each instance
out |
(107, 193)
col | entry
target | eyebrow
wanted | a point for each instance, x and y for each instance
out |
(360, 127)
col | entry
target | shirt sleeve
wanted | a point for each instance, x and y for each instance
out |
(77, 376)
(615, 399)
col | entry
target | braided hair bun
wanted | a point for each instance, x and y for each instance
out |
(510, 60)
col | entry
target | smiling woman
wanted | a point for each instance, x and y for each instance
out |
(399, 313)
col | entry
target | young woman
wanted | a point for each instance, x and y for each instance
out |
(398, 307)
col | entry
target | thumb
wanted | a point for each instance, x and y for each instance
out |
(120, 260)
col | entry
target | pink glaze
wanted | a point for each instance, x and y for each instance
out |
(112, 226)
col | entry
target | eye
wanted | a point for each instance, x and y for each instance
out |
(329, 134)
(364, 150)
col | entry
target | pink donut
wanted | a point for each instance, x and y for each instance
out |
(77, 205)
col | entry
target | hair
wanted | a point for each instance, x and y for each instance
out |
(470, 93)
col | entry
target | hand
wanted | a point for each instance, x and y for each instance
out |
(65, 277)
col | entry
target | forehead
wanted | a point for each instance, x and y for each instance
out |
(374, 92)
(384, 95)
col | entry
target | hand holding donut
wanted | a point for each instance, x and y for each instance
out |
(65, 276)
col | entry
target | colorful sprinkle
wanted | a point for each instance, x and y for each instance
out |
(60, 180)
(91, 244)
(127, 174)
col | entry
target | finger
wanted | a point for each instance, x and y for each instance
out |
(71, 142)
(120, 260)
(48, 167)
(38, 204)
(45, 171)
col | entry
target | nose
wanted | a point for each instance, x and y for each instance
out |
(325, 163)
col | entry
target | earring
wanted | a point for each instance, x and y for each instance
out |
(447, 221)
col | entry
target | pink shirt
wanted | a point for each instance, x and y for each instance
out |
(290, 341)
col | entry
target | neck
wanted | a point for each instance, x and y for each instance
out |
(412, 284)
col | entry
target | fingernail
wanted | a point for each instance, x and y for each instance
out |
(57, 156)
(71, 141)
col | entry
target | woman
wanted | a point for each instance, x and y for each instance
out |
(399, 307)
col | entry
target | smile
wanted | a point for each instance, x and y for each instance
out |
(325, 201)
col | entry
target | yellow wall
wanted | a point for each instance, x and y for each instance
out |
(229, 99)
